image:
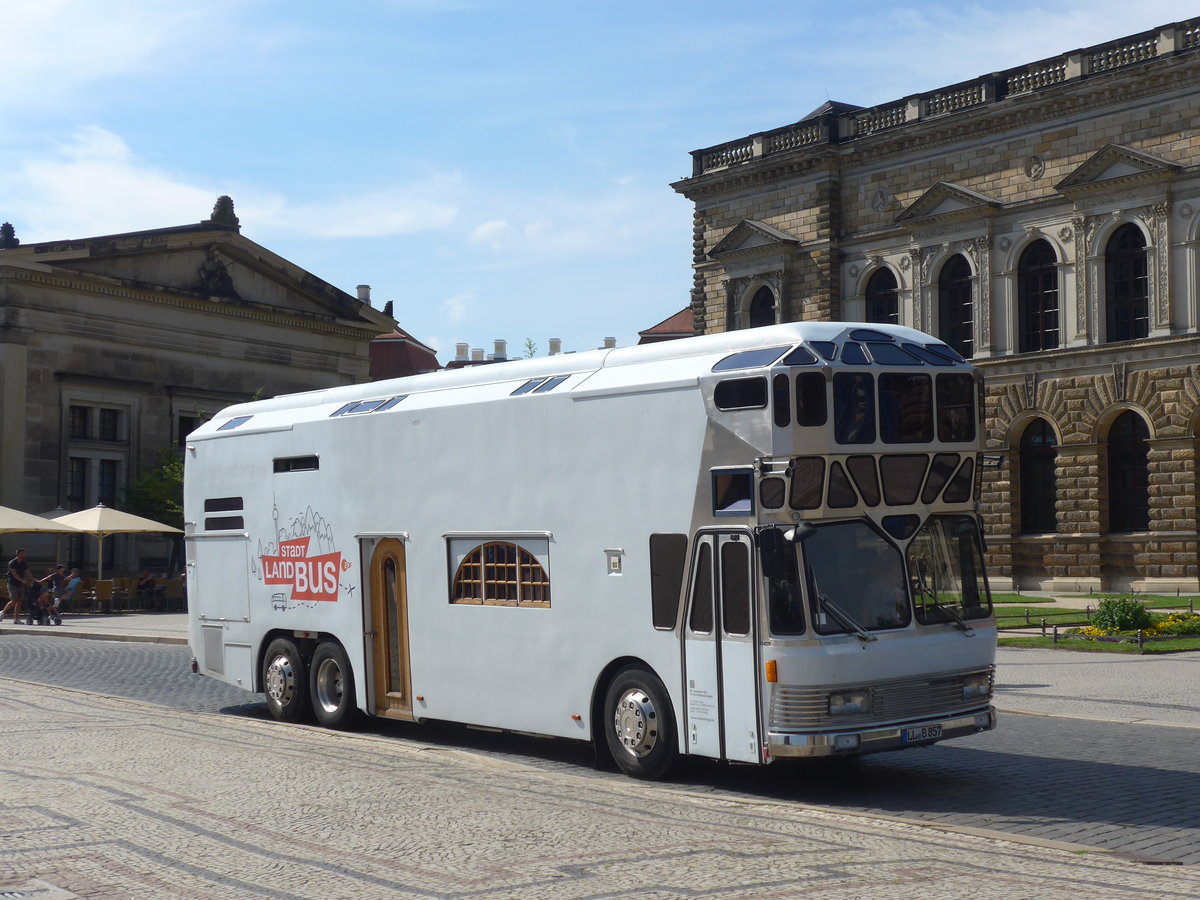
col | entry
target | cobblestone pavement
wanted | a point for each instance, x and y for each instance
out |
(107, 797)
(1126, 787)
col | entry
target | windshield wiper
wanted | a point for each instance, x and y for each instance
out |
(931, 597)
(959, 622)
(845, 618)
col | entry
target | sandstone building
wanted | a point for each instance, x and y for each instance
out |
(112, 347)
(1043, 220)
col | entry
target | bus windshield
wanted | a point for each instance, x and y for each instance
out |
(945, 568)
(855, 579)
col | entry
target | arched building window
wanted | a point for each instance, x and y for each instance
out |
(1128, 474)
(762, 308)
(882, 293)
(1039, 483)
(1037, 298)
(955, 320)
(1126, 285)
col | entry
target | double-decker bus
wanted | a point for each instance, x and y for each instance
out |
(745, 546)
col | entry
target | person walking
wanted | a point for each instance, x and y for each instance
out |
(18, 581)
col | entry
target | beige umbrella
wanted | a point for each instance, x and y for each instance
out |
(102, 521)
(16, 522)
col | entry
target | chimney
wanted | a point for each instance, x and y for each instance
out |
(501, 349)
(364, 294)
(477, 354)
(610, 343)
(555, 346)
(460, 352)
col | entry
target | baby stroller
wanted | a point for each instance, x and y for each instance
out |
(41, 607)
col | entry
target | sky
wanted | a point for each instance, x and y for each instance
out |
(498, 170)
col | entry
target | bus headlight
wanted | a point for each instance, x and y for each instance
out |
(975, 686)
(848, 703)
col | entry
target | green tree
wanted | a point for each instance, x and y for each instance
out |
(157, 493)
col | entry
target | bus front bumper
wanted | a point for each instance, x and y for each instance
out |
(876, 740)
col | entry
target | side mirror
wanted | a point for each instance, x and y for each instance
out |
(801, 533)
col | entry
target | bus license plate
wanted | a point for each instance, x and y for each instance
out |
(917, 735)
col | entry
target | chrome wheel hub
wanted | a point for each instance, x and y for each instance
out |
(281, 680)
(636, 722)
(328, 685)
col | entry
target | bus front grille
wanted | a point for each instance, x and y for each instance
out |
(800, 708)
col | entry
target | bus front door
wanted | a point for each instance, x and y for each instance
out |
(720, 669)
(387, 640)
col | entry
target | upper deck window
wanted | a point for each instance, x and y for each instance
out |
(741, 393)
(869, 334)
(550, 384)
(933, 354)
(956, 407)
(854, 408)
(359, 407)
(905, 408)
(801, 356)
(854, 354)
(827, 349)
(891, 355)
(539, 385)
(750, 359)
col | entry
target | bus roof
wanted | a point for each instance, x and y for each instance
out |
(666, 360)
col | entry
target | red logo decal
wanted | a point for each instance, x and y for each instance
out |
(310, 577)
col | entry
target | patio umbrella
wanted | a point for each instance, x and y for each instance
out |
(16, 522)
(102, 521)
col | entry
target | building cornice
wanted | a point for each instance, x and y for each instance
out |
(100, 285)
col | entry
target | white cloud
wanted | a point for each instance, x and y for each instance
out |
(55, 49)
(458, 307)
(490, 233)
(94, 183)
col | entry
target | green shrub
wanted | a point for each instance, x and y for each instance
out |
(1121, 614)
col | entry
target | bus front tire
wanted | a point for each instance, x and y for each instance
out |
(285, 681)
(332, 686)
(639, 725)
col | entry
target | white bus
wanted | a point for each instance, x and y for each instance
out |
(743, 546)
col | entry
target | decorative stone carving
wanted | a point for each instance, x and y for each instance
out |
(1030, 390)
(1035, 167)
(1120, 377)
(879, 202)
(214, 278)
(1160, 221)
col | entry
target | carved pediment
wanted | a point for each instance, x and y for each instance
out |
(749, 237)
(1114, 166)
(945, 202)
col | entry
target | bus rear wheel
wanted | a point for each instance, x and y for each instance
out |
(285, 681)
(332, 688)
(639, 725)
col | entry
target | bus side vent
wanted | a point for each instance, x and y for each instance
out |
(224, 523)
(223, 504)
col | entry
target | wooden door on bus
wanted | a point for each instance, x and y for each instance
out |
(388, 637)
(720, 668)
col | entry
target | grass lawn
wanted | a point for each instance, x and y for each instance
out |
(1174, 645)
(1014, 616)
(1152, 601)
(1019, 598)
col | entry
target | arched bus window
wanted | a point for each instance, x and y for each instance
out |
(1037, 298)
(500, 573)
(955, 319)
(762, 308)
(1039, 482)
(1126, 285)
(881, 297)
(1128, 475)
